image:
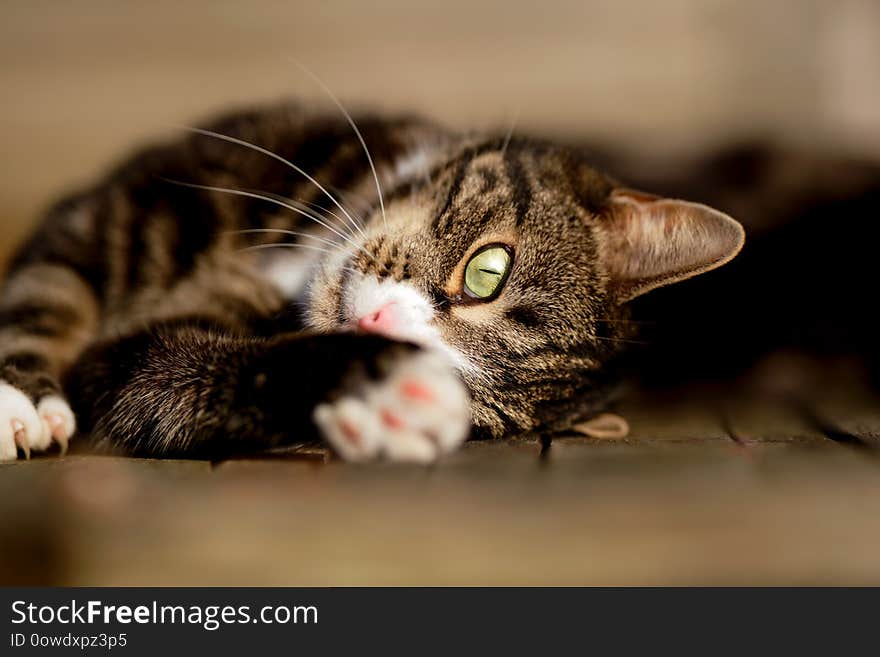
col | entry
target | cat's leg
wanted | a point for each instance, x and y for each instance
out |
(48, 313)
(180, 389)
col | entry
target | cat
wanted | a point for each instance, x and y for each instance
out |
(269, 278)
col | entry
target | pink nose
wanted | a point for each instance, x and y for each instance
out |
(379, 321)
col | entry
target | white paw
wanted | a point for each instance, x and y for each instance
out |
(417, 413)
(26, 428)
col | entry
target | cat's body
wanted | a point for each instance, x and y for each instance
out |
(487, 285)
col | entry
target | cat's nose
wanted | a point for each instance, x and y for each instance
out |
(383, 320)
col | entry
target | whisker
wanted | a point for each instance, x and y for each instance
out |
(510, 130)
(287, 245)
(281, 231)
(265, 151)
(361, 203)
(304, 208)
(264, 196)
(353, 127)
(329, 211)
(270, 198)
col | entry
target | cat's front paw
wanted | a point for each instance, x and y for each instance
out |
(30, 428)
(418, 411)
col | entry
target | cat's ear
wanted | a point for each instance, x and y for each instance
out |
(646, 241)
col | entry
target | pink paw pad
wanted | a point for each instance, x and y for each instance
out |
(391, 420)
(416, 390)
(350, 432)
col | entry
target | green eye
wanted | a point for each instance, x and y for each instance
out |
(486, 272)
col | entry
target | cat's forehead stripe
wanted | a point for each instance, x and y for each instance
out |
(519, 187)
(461, 167)
(442, 218)
(481, 190)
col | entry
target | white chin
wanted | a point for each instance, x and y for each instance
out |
(414, 313)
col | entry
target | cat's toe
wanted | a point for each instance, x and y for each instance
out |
(423, 398)
(26, 429)
(408, 446)
(351, 428)
(20, 425)
(58, 421)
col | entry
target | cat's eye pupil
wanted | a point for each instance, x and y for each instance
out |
(486, 272)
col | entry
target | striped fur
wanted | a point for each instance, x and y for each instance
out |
(170, 338)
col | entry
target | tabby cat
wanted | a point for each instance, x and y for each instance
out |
(267, 279)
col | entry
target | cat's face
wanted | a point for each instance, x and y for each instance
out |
(501, 261)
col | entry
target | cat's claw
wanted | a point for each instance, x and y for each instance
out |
(28, 429)
(58, 419)
(19, 434)
(416, 413)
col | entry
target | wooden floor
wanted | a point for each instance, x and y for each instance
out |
(710, 488)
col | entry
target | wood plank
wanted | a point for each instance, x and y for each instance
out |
(849, 415)
(344, 525)
(677, 417)
(618, 514)
(756, 420)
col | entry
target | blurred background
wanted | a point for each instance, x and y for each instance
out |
(84, 81)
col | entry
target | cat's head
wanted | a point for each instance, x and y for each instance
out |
(515, 259)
